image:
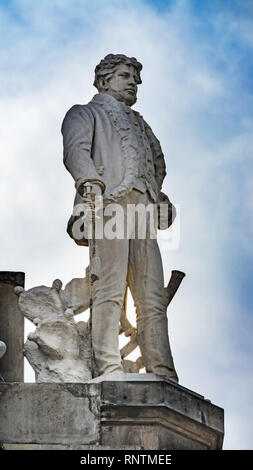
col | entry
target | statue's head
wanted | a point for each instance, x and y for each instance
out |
(119, 76)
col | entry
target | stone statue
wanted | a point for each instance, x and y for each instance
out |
(59, 349)
(111, 152)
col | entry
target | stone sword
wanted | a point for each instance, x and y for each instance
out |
(94, 260)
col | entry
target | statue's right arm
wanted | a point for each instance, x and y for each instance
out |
(77, 130)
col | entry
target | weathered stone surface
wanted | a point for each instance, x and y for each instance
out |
(50, 413)
(76, 294)
(64, 447)
(160, 415)
(59, 350)
(132, 411)
(11, 327)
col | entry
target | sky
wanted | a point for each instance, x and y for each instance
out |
(197, 95)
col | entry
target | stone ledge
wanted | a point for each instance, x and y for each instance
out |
(108, 414)
(64, 447)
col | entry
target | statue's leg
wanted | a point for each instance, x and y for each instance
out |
(108, 299)
(146, 282)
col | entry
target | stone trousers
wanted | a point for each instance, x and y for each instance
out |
(135, 263)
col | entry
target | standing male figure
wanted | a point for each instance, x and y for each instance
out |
(111, 147)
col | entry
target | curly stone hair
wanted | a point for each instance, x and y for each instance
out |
(107, 65)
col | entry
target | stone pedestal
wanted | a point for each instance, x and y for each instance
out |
(11, 327)
(128, 411)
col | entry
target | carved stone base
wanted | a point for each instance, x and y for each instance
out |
(120, 411)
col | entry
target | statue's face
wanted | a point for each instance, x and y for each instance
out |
(123, 84)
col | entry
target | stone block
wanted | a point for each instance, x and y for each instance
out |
(49, 413)
(125, 411)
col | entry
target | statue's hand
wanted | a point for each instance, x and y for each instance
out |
(93, 203)
(89, 191)
(94, 189)
(166, 211)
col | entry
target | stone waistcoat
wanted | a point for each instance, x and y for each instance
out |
(145, 156)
